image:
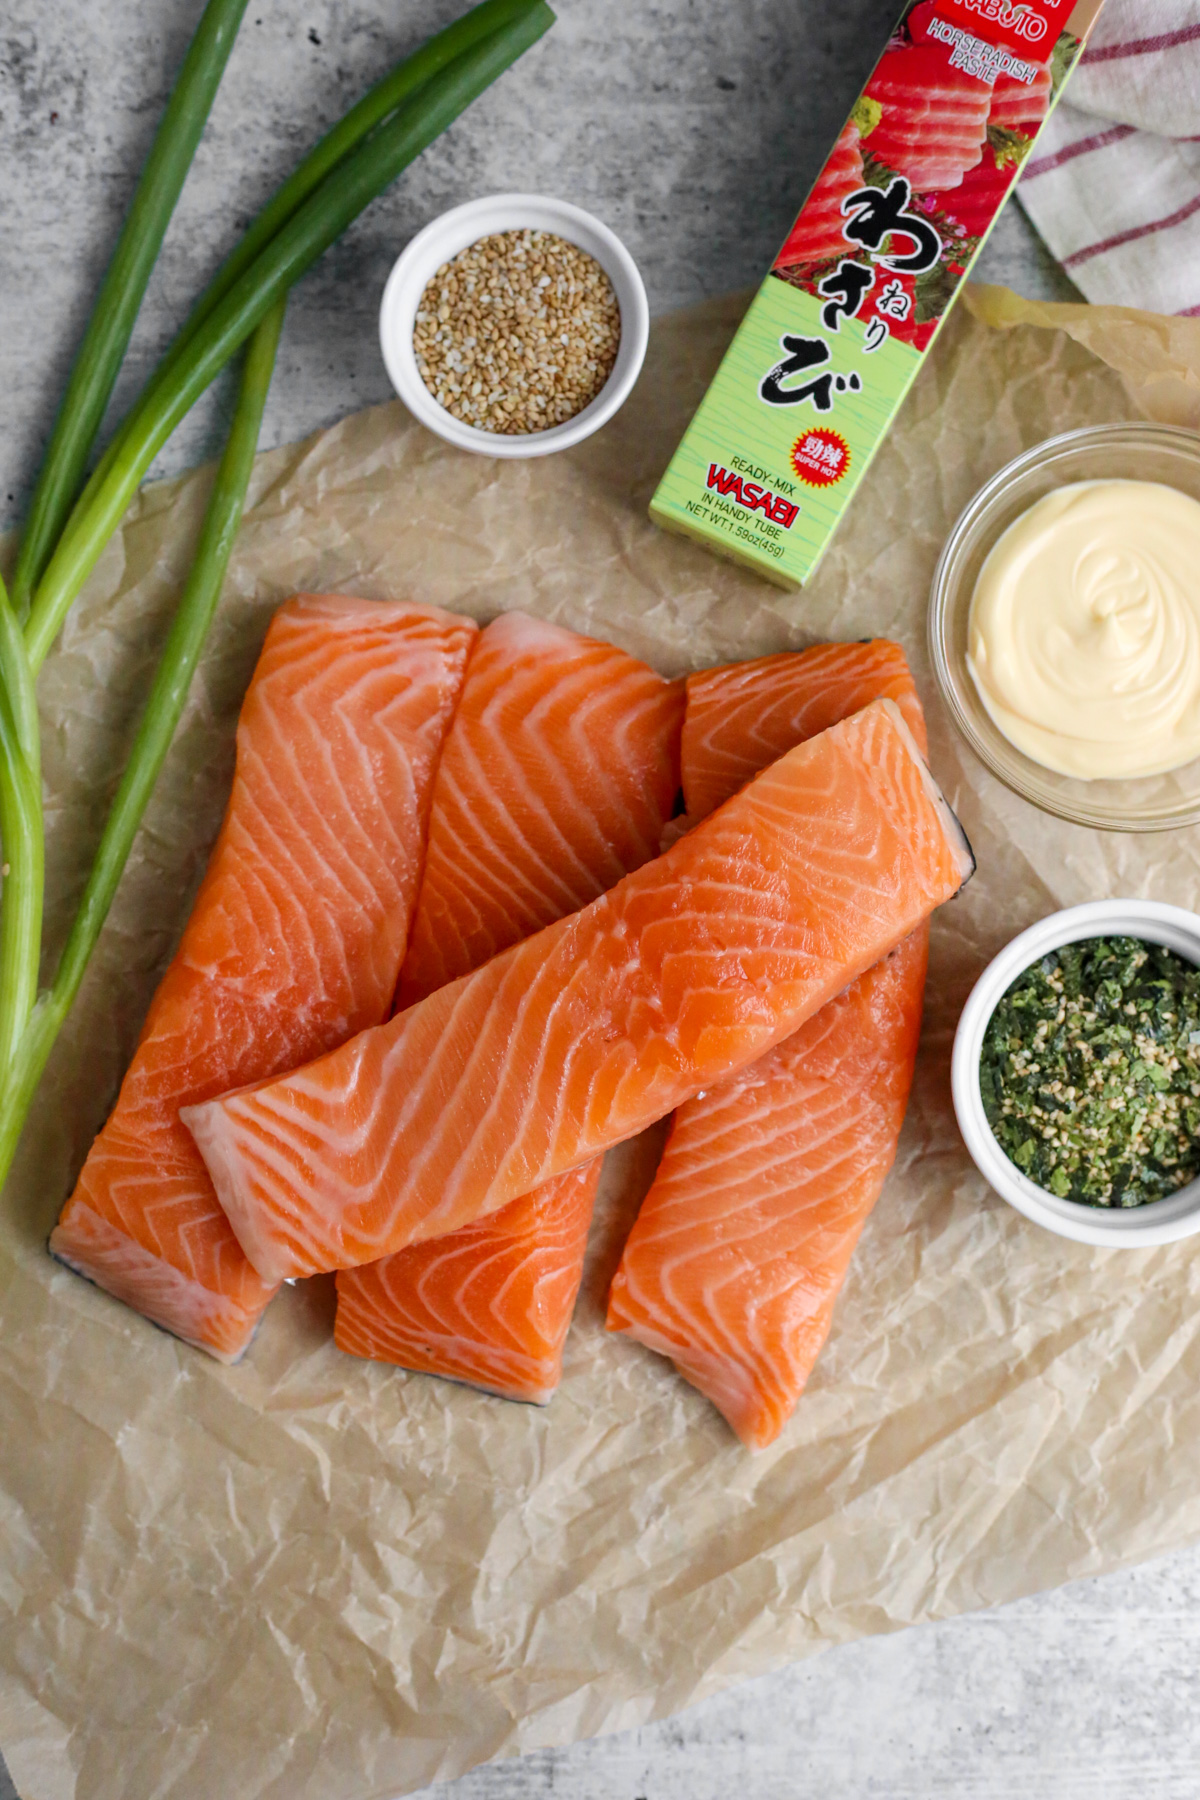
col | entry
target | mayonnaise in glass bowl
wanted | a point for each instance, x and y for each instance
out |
(1139, 452)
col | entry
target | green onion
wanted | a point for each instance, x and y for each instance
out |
(397, 87)
(23, 884)
(21, 833)
(24, 1054)
(347, 169)
(16, 684)
(350, 186)
(98, 360)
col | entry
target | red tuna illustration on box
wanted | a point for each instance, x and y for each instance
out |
(832, 341)
(925, 163)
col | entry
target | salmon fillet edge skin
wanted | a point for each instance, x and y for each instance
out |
(582, 1035)
(556, 779)
(293, 944)
(741, 1245)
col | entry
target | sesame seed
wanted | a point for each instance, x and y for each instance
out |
(549, 339)
(1107, 1112)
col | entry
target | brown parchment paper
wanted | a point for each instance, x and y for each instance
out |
(316, 1579)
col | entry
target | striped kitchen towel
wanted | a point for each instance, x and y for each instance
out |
(1114, 184)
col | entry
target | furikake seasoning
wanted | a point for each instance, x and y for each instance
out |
(1090, 1072)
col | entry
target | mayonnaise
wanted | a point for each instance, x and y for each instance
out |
(1084, 630)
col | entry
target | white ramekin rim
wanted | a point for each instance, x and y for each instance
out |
(453, 231)
(1160, 1221)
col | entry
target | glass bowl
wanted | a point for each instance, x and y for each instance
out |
(1137, 452)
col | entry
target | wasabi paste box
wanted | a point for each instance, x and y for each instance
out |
(838, 330)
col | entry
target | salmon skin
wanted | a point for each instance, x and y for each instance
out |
(293, 945)
(557, 778)
(742, 1243)
(596, 1027)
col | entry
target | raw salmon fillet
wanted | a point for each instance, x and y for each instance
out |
(557, 778)
(294, 943)
(579, 1037)
(559, 772)
(490, 1304)
(742, 716)
(743, 1241)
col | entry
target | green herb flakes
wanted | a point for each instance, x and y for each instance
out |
(1090, 1072)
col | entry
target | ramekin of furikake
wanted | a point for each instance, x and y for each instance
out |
(1077, 1072)
(1090, 1072)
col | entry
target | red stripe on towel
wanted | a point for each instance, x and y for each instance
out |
(1186, 34)
(1043, 164)
(1131, 236)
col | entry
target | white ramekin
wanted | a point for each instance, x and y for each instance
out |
(465, 225)
(1134, 1228)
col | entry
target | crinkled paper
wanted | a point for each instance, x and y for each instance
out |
(312, 1578)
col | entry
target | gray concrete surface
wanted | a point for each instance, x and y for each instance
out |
(691, 127)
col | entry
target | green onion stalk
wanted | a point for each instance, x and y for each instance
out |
(243, 306)
(22, 836)
(44, 1017)
(396, 88)
(182, 377)
(100, 355)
